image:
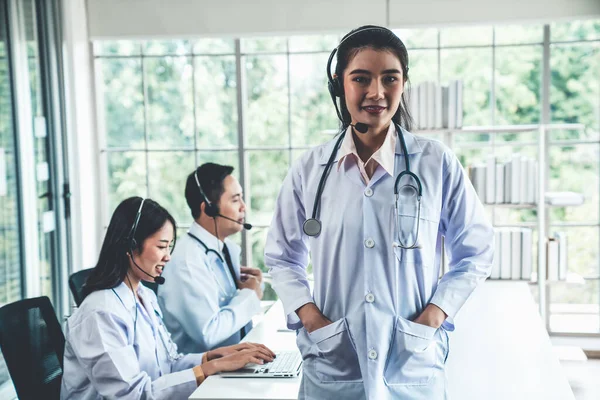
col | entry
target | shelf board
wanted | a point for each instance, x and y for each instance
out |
(510, 205)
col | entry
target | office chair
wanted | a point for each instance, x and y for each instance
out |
(77, 280)
(33, 346)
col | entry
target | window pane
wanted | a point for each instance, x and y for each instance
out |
(166, 47)
(216, 101)
(474, 67)
(576, 168)
(258, 237)
(219, 157)
(518, 79)
(168, 172)
(575, 93)
(267, 112)
(418, 38)
(126, 177)
(312, 108)
(575, 30)
(121, 101)
(265, 44)
(423, 66)
(588, 133)
(117, 47)
(314, 43)
(267, 171)
(466, 36)
(518, 34)
(169, 102)
(214, 46)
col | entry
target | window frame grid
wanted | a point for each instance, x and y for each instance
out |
(242, 149)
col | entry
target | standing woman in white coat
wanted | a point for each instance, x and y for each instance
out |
(116, 344)
(371, 208)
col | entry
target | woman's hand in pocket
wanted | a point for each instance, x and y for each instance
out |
(432, 316)
(312, 318)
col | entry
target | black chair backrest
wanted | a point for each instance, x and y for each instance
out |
(33, 346)
(76, 282)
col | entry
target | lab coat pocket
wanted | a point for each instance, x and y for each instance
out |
(337, 360)
(413, 354)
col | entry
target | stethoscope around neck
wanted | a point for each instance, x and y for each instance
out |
(209, 250)
(312, 226)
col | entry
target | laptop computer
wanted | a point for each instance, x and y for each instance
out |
(287, 364)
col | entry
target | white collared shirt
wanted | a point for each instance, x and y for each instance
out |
(111, 353)
(383, 156)
(202, 307)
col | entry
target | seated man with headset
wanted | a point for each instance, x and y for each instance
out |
(208, 299)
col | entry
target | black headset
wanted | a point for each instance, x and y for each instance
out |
(334, 84)
(211, 210)
(132, 244)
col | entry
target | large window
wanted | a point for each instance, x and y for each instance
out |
(166, 107)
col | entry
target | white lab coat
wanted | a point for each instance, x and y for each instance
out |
(370, 289)
(202, 308)
(111, 353)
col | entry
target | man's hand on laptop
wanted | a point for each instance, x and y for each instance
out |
(237, 360)
(229, 350)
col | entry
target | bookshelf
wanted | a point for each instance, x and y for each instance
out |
(543, 216)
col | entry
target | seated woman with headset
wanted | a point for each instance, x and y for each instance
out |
(116, 344)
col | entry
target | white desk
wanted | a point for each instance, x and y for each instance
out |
(216, 387)
(499, 351)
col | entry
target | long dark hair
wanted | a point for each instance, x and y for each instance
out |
(113, 262)
(376, 38)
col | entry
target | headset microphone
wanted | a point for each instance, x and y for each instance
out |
(159, 280)
(132, 244)
(360, 127)
(246, 225)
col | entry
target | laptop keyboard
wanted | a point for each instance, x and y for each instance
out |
(285, 362)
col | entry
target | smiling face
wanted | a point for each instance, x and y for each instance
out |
(155, 253)
(373, 87)
(231, 205)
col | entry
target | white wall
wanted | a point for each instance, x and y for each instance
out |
(170, 18)
(83, 155)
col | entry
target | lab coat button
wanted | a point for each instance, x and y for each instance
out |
(368, 192)
(370, 243)
(370, 298)
(372, 354)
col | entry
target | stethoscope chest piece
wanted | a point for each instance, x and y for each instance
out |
(312, 227)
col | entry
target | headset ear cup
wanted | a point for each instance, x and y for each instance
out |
(331, 88)
(211, 210)
(335, 88)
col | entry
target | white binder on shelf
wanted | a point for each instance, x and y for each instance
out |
(527, 247)
(507, 182)
(499, 184)
(497, 256)
(452, 88)
(515, 182)
(431, 112)
(490, 180)
(505, 250)
(516, 254)
(552, 259)
(459, 104)
(561, 237)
